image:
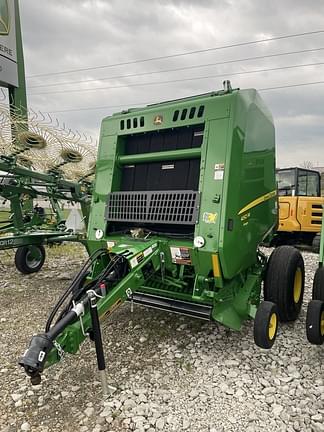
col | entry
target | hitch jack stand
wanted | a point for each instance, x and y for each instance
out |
(106, 389)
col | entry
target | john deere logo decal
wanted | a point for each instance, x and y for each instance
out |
(4, 18)
(158, 119)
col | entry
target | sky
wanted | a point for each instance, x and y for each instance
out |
(61, 36)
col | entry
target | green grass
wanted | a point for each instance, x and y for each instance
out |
(68, 248)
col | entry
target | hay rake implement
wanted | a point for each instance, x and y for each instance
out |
(41, 163)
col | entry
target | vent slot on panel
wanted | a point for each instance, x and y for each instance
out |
(201, 110)
(131, 123)
(184, 114)
(159, 207)
(193, 112)
(175, 115)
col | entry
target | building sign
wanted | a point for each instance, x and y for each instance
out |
(8, 54)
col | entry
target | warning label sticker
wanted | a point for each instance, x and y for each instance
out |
(180, 255)
(219, 171)
(137, 260)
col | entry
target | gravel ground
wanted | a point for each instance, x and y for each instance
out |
(172, 373)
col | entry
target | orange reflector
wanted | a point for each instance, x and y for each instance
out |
(216, 266)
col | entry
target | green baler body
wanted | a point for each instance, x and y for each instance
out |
(168, 175)
(234, 161)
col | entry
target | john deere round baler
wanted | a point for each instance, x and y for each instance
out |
(185, 192)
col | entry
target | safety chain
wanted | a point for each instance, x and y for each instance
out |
(59, 349)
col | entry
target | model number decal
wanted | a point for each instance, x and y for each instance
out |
(7, 242)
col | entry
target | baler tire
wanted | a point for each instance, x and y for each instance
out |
(318, 285)
(23, 260)
(266, 325)
(315, 322)
(285, 281)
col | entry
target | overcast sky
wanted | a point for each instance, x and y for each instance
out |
(63, 35)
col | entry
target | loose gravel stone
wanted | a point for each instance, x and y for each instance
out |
(160, 424)
(16, 397)
(89, 411)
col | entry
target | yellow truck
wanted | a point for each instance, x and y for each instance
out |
(300, 207)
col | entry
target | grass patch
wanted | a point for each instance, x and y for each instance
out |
(75, 250)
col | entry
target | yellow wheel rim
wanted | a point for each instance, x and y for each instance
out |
(272, 328)
(297, 285)
(322, 324)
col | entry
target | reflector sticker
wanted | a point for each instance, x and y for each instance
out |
(167, 167)
(111, 310)
(216, 266)
(180, 255)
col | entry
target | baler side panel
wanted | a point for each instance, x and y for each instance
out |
(250, 189)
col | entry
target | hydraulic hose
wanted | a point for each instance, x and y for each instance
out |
(77, 279)
(34, 358)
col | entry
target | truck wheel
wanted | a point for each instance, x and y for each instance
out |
(315, 322)
(318, 285)
(266, 324)
(30, 259)
(284, 281)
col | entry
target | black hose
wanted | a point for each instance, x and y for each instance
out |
(92, 285)
(77, 279)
